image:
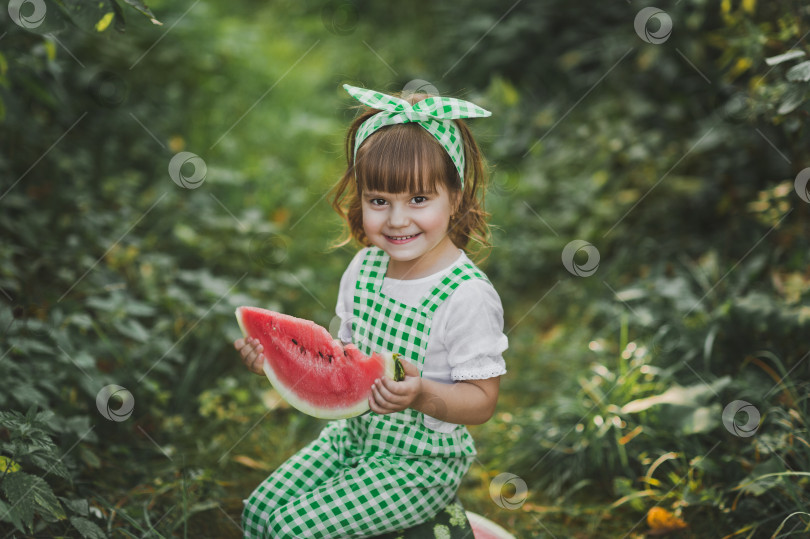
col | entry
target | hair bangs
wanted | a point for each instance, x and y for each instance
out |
(403, 158)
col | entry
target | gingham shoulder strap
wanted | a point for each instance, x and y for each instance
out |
(372, 269)
(449, 283)
(374, 264)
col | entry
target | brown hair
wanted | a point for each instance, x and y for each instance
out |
(405, 158)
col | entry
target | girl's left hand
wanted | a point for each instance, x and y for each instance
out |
(388, 396)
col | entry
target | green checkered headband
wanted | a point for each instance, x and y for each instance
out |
(435, 114)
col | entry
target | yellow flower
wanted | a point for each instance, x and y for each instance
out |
(662, 521)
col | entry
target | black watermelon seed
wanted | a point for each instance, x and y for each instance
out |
(295, 342)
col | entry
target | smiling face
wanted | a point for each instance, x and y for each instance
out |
(404, 179)
(412, 229)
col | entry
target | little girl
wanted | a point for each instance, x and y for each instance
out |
(413, 183)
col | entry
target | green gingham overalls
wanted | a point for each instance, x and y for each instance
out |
(371, 474)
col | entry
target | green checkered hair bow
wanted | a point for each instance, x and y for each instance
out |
(435, 114)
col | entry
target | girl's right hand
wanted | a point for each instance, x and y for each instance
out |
(251, 352)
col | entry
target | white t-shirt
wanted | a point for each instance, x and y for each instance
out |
(469, 348)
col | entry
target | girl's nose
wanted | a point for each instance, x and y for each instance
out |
(398, 216)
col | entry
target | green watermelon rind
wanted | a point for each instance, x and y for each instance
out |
(391, 368)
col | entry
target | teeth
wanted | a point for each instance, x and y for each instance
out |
(401, 237)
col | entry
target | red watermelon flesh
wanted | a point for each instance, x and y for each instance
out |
(315, 373)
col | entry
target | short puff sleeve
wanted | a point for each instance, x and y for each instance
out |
(473, 332)
(345, 299)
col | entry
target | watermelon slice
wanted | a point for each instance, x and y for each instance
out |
(483, 528)
(313, 372)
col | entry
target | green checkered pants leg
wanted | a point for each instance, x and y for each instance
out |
(316, 495)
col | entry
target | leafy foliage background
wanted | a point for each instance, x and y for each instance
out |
(677, 161)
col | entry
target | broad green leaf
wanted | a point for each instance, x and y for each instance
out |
(10, 513)
(763, 477)
(692, 420)
(88, 457)
(7, 465)
(133, 329)
(104, 21)
(140, 6)
(793, 98)
(120, 24)
(80, 507)
(678, 395)
(799, 72)
(88, 15)
(51, 463)
(50, 49)
(88, 529)
(790, 55)
(30, 492)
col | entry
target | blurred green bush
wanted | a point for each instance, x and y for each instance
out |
(676, 161)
